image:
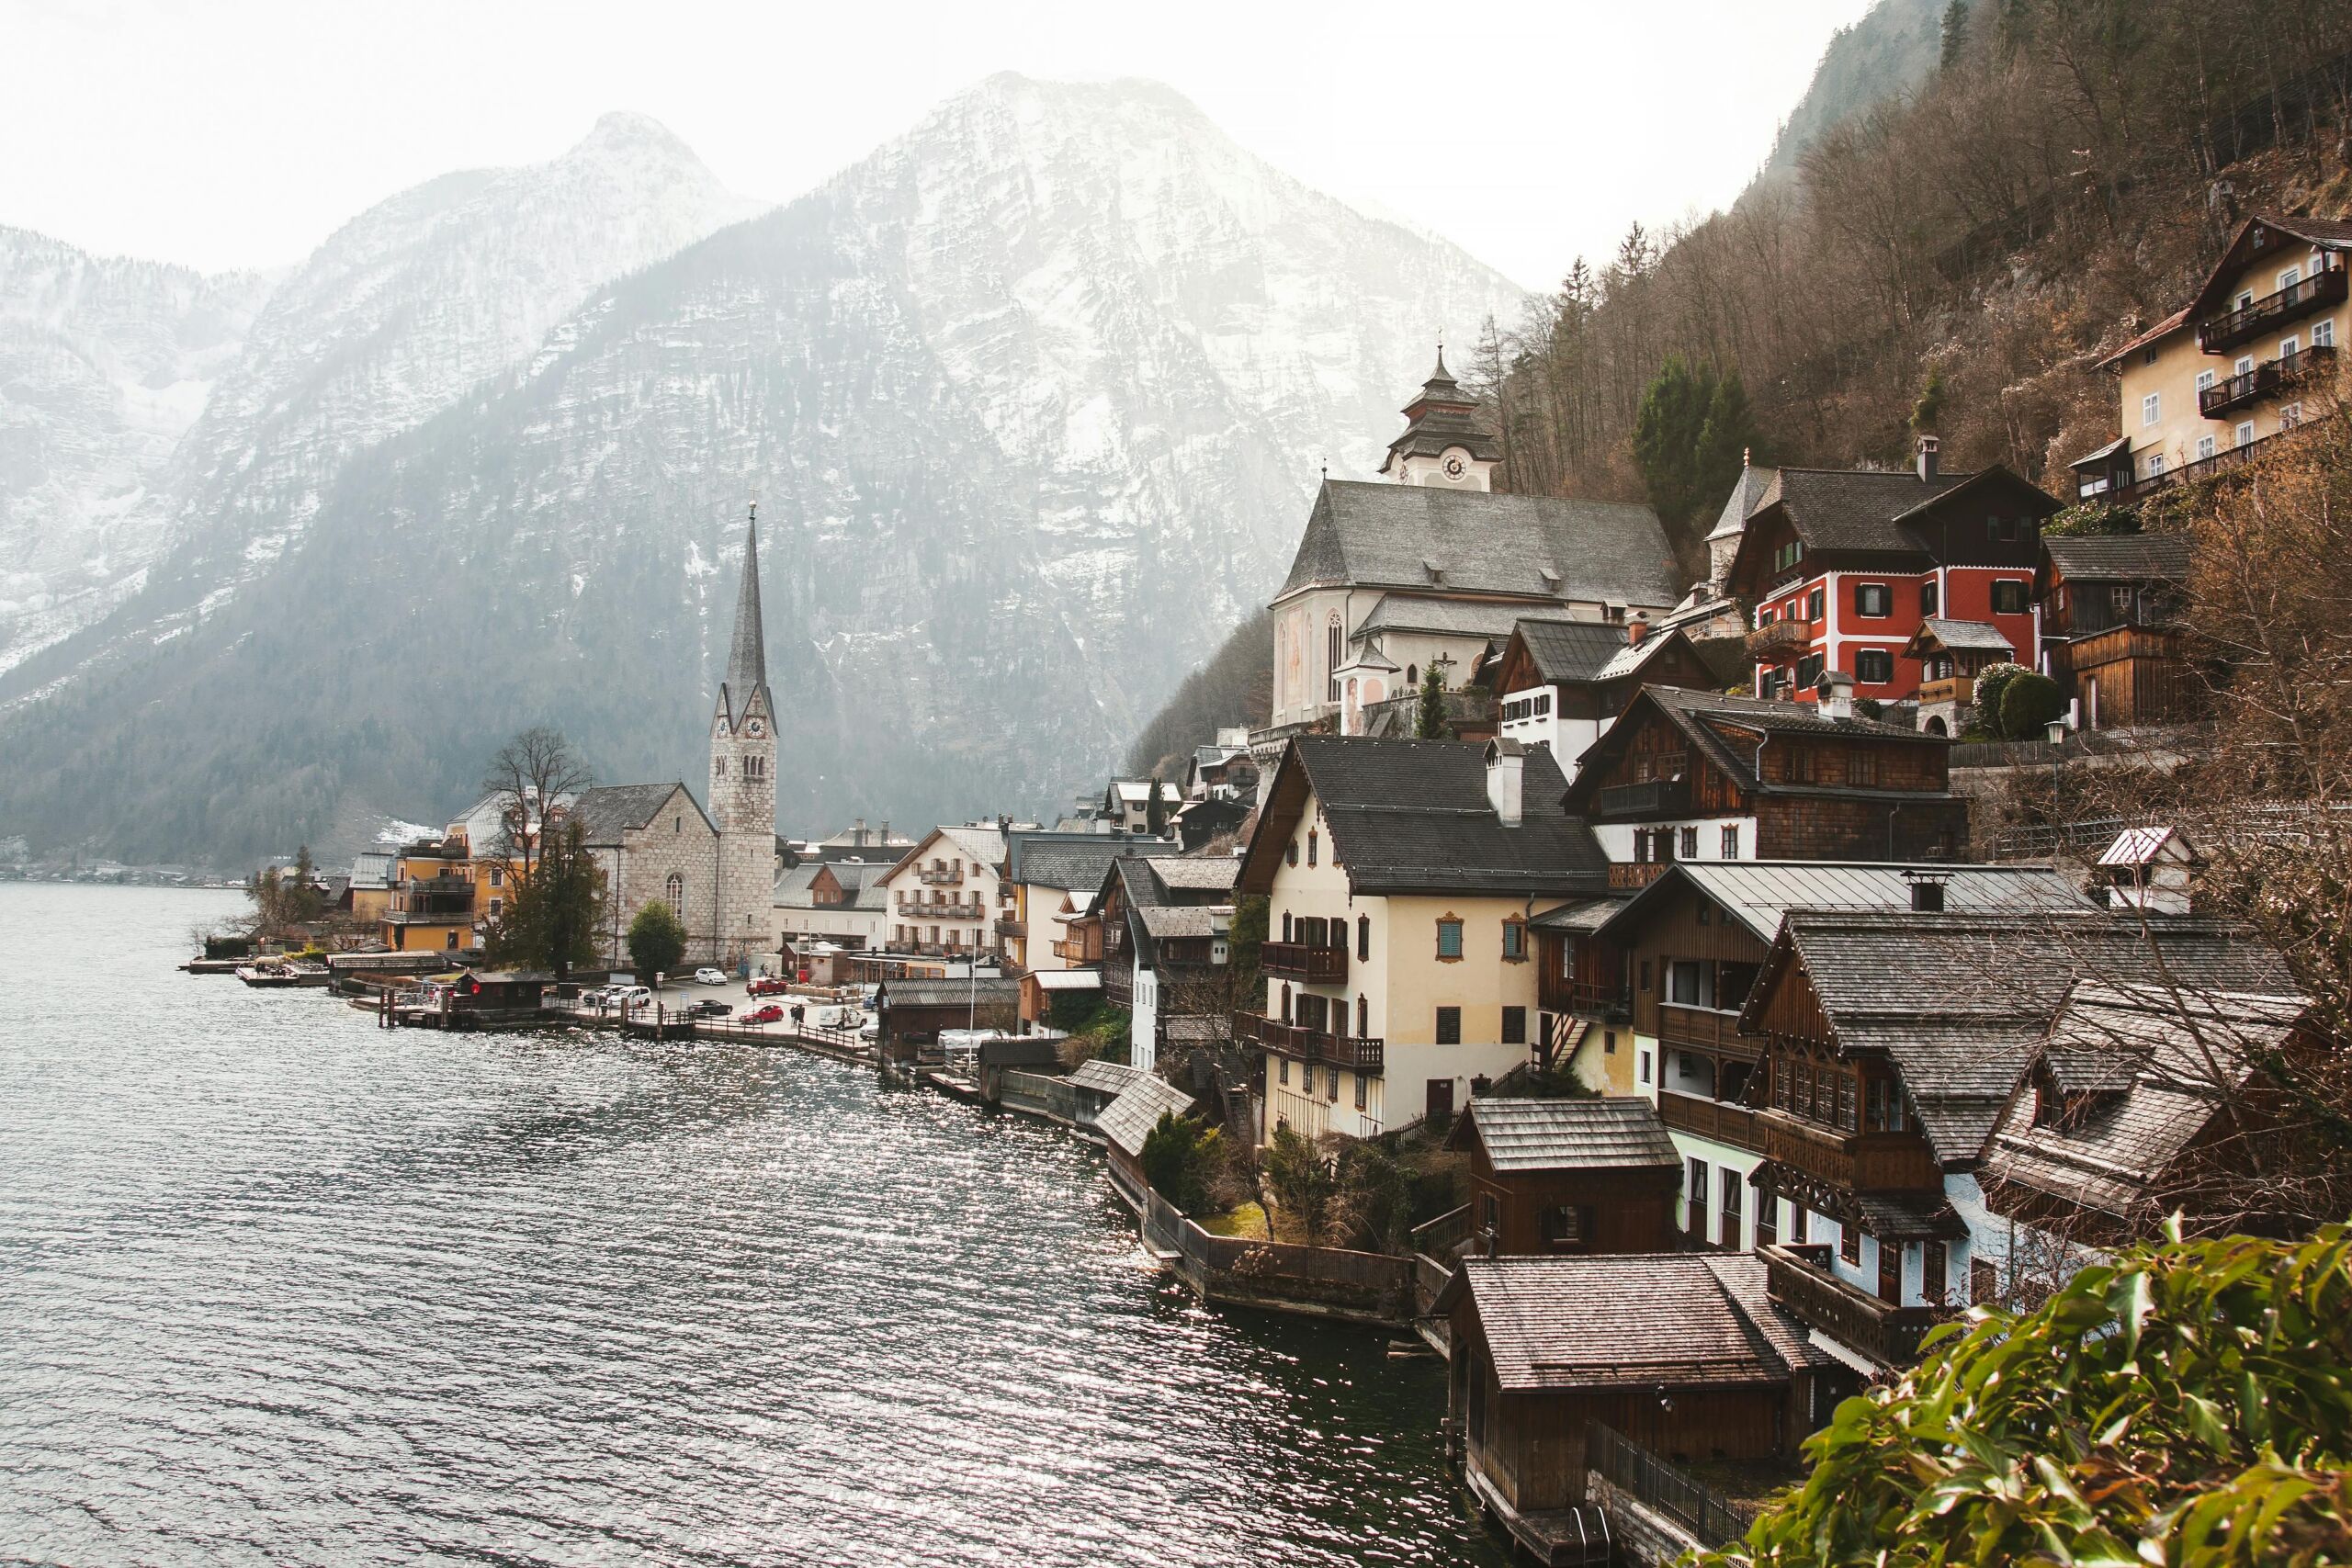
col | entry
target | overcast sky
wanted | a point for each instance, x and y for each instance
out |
(233, 133)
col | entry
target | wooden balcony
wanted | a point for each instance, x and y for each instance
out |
(1362, 1053)
(1705, 1028)
(1651, 797)
(1007, 926)
(1119, 985)
(1635, 874)
(1779, 640)
(1298, 961)
(1856, 1161)
(940, 875)
(2231, 328)
(1798, 1277)
(1716, 1119)
(1959, 689)
(2271, 378)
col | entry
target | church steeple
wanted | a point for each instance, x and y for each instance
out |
(747, 657)
(1443, 443)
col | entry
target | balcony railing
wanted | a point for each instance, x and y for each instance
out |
(1856, 1161)
(2268, 379)
(1779, 640)
(2232, 328)
(1706, 1028)
(940, 875)
(1007, 926)
(446, 887)
(1961, 688)
(1651, 797)
(1364, 1054)
(1298, 961)
(1798, 1277)
(1635, 874)
(1716, 1119)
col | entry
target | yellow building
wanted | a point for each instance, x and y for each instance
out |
(2252, 354)
(1400, 876)
(434, 884)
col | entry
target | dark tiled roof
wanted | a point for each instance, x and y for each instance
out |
(1757, 893)
(1163, 921)
(1560, 1323)
(1385, 535)
(1409, 816)
(1444, 617)
(604, 814)
(1974, 637)
(2121, 558)
(1959, 1002)
(1570, 650)
(1692, 713)
(1580, 914)
(1197, 874)
(1572, 1135)
(951, 992)
(1079, 865)
(1852, 509)
(1129, 1119)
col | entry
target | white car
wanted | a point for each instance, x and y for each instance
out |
(707, 975)
(632, 996)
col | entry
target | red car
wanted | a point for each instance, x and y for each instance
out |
(768, 1014)
(768, 985)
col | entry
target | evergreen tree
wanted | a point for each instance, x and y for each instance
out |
(1955, 40)
(551, 917)
(1690, 437)
(1155, 810)
(657, 940)
(1428, 720)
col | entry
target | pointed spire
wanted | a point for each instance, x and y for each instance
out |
(747, 658)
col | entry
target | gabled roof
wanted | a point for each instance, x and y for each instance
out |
(926, 992)
(1076, 861)
(1614, 1133)
(1565, 651)
(1560, 1323)
(2163, 329)
(606, 813)
(2121, 558)
(1387, 536)
(1757, 893)
(982, 846)
(1162, 921)
(1960, 1001)
(1701, 717)
(1413, 817)
(1128, 1120)
(1105, 1078)
(2145, 846)
(1878, 513)
(1960, 636)
(1202, 874)
(2325, 233)
(2159, 1067)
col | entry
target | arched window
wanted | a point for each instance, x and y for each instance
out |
(674, 893)
(1286, 1002)
(1286, 925)
(1363, 939)
(1290, 852)
(1412, 674)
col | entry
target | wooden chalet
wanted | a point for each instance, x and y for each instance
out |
(2143, 1102)
(1569, 1176)
(2111, 631)
(1892, 1041)
(1685, 1354)
(1560, 683)
(1691, 775)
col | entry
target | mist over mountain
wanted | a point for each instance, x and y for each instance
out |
(1032, 399)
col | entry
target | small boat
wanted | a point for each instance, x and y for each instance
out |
(277, 972)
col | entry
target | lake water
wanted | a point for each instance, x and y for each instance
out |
(276, 1286)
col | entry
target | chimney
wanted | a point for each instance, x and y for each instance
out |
(1506, 763)
(1835, 694)
(1638, 626)
(1927, 460)
(885, 839)
(857, 833)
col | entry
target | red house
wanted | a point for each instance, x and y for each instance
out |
(1843, 566)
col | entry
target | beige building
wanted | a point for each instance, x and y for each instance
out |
(1400, 876)
(1052, 878)
(840, 902)
(1428, 566)
(947, 894)
(2250, 355)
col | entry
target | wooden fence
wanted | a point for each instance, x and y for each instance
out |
(1039, 1094)
(1316, 1281)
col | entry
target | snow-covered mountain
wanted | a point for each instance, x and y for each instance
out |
(1032, 399)
(104, 363)
(399, 313)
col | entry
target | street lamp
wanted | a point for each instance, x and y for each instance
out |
(2056, 730)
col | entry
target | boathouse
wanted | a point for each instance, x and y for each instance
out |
(1568, 1175)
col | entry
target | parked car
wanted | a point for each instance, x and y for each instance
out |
(872, 1028)
(768, 985)
(768, 1014)
(594, 996)
(707, 976)
(630, 995)
(833, 1016)
(709, 1007)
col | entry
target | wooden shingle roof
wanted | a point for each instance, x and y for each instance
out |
(1614, 1133)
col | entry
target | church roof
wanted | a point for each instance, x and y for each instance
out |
(747, 656)
(1426, 539)
(606, 813)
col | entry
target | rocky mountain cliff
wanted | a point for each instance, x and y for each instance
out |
(1032, 399)
(104, 365)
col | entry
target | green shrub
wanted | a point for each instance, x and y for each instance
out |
(657, 940)
(1990, 682)
(2027, 702)
(1178, 1159)
(2182, 1405)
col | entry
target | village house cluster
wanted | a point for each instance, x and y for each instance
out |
(1678, 931)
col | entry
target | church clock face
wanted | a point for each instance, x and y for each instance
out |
(1453, 467)
(755, 730)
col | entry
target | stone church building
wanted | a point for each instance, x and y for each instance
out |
(716, 868)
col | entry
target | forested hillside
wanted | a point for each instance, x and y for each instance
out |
(1954, 257)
